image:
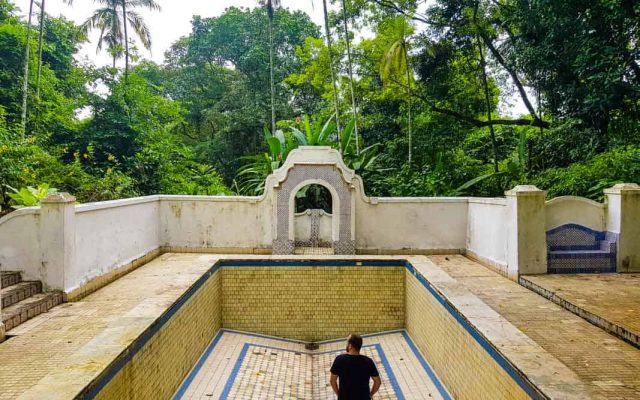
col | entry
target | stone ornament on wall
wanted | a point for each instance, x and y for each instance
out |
(313, 165)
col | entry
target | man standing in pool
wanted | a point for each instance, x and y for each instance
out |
(350, 373)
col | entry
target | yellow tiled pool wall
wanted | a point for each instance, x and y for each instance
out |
(465, 368)
(309, 303)
(313, 303)
(156, 370)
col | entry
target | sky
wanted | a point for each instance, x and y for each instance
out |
(166, 26)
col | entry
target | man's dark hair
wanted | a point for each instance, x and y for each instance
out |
(355, 341)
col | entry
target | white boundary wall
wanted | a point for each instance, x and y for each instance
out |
(20, 242)
(577, 210)
(486, 231)
(113, 233)
(133, 227)
(68, 245)
(409, 224)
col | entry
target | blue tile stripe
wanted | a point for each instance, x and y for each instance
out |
(425, 365)
(390, 374)
(91, 390)
(194, 371)
(512, 371)
(259, 335)
(243, 353)
(234, 372)
(312, 263)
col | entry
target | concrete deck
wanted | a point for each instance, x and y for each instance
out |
(610, 301)
(78, 340)
(607, 365)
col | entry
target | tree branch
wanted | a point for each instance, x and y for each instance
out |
(393, 6)
(514, 76)
(537, 122)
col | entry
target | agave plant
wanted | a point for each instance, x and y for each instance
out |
(251, 176)
(316, 134)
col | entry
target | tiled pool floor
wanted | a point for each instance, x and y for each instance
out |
(238, 365)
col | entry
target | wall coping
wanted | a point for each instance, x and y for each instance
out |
(568, 199)
(101, 205)
(178, 197)
(498, 201)
(377, 200)
(20, 212)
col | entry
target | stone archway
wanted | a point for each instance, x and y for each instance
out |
(329, 176)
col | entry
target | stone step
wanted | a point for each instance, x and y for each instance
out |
(26, 309)
(18, 292)
(9, 278)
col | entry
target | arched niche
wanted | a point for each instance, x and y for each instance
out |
(297, 175)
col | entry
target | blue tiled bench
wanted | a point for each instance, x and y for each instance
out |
(573, 248)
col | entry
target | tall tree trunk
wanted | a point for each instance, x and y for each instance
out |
(542, 160)
(485, 84)
(25, 84)
(354, 106)
(409, 101)
(333, 75)
(40, 37)
(273, 86)
(126, 40)
(489, 106)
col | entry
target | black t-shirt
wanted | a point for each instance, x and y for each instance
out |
(354, 373)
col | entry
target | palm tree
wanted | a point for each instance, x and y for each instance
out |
(40, 36)
(396, 61)
(113, 25)
(350, 70)
(25, 83)
(271, 5)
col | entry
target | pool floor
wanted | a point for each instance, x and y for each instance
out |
(238, 365)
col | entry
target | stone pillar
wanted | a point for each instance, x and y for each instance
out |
(58, 241)
(623, 219)
(526, 236)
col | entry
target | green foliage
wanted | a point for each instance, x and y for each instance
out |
(589, 178)
(30, 196)
(195, 125)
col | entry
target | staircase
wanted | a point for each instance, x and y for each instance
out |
(23, 300)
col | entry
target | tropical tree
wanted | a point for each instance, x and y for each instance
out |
(396, 62)
(113, 20)
(354, 107)
(327, 31)
(40, 35)
(25, 83)
(270, 5)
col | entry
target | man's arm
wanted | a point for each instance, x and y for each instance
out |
(376, 385)
(334, 383)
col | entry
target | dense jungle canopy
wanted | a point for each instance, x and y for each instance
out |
(414, 95)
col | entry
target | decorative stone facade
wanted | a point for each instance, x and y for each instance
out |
(321, 166)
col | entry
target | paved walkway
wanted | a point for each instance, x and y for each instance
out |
(246, 366)
(44, 344)
(613, 298)
(608, 365)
